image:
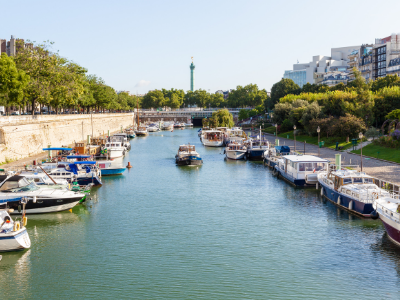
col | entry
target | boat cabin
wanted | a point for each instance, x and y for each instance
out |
(212, 135)
(346, 177)
(298, 166)
(187, 148)
(15, 183)
(236, 147)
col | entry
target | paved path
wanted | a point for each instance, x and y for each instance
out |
(376, 168)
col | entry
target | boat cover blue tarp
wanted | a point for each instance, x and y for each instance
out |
(78, 156)
(57, 149)
(74, 169)
(282, 149)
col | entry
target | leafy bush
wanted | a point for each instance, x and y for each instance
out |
(287, 125)
(387, 141)
(372, 133)
(396, 135)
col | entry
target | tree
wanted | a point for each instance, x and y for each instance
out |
(282, 88)
(382, 82)
(12, 82)
(393, 115)
(223, 118)
(243, 114)
(153, 99)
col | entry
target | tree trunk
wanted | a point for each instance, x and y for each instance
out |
(347, 139)
(33, 106)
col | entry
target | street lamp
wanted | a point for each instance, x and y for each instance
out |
(360, 135)
(318, 130)
(294, 134)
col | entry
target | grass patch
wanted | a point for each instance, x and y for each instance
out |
(270, 130)
(329, 142)
(390, 154)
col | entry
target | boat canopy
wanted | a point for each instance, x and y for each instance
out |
(84, 162)
(57, 149)
(78, 156)
(282, 149)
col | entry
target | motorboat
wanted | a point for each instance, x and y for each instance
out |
(256, 148)
(351, 190)
(43, 180)
(212, 138)
(235, 134)
(114, 149)
(188, 156)
(41, 200)
(141, 131)
(178, 125)
(110, 167)
(152, 129)
(82, 172)
(188, 124)
(123, 138)
(235, 151)
(130, 133)
(300, 170)
(13, 234)
(167, 126)
(388, 210)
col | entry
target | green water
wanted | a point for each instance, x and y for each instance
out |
(224, 230)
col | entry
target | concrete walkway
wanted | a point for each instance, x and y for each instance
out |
(376, 168)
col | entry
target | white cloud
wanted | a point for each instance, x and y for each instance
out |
(142, 83)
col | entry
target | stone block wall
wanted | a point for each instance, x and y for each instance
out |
(23, 136)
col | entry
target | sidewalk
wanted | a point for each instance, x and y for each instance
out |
(376, 168)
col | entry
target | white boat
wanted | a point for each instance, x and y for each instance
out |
(123, 138)
(235, 134)
(351, 190)
(13, 234)
(152, 129)
(141, 131)
(388, 210)
(189, 125)
(41, 200)
(167, 126)
(301, 170)
(212, 138)
(235, 151)
(114, 149)
(43, 180)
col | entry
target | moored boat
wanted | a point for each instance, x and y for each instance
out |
(212, 138)
(351, 190)
(188, 156)
(235, 151)
(141, 131)
(13, 234)
(388, 210)
(300, 170)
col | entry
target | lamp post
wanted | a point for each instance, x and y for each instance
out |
(318, 130)
(294, 134)
(360, 135)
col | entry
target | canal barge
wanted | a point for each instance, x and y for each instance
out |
(212, 138)
(351, 190)
(300, 170)
(188, 156)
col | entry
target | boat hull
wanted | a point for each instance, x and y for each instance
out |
(14, 241)
(189, 161)
(43, 205)
(291, 179)
(114, 153)
(346, 202)
(116, 171)
(257, 155)
(86, 180)
(392, 229)
(235, 155)
(209, 143)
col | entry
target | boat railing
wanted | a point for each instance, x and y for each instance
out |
(395, 216)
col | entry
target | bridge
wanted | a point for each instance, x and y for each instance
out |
(195, 114)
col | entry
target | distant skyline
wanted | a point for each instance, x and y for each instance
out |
(145, 45)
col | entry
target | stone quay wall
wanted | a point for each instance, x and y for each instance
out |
(23, 136)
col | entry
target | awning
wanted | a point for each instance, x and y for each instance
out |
(57, 149)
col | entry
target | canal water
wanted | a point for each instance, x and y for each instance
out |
(224, 230)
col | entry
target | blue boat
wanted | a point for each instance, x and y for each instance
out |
(300, 170)
(108, 167)
(351, 190)
(273, 155)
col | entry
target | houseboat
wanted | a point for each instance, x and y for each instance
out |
(235, 151)
(300, 170)
(188, 156)
(351, 190)
(272, 155)
(212, 138)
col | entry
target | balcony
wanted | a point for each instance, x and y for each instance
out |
(365, 71)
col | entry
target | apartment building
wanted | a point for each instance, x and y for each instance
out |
(385, 53)
(12, 46)
(313, 72)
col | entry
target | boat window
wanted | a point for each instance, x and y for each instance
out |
(347, 181)
(30, 187)
(306, 167)
(9, 185)
(357, 179)
(368, 180)
(37, 180)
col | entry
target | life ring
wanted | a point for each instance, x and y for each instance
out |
(24, 221)
(17, 226)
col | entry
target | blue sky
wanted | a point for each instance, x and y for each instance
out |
(233, 42)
